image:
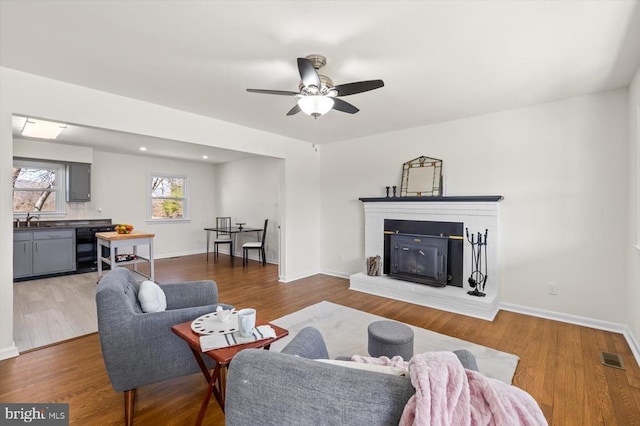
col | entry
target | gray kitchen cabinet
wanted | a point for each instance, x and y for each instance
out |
(53, 251)
(22, 259)
(42, 252)
(78, 182)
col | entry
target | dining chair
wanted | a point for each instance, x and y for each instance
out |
(223, 235)
(256, 245)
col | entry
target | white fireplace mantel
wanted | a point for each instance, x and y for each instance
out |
(476, 213)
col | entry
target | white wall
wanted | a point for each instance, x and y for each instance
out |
(562, 168)
(7, 346)
(27, 94)
(51, 151)
(633, 300)
(248, 190)
(120, 189)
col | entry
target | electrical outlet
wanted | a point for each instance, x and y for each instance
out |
(553, 289)
(341, 257)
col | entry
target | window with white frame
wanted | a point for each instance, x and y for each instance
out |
(167, 197)
(38, 187)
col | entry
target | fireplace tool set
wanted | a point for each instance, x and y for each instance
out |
(478, 277)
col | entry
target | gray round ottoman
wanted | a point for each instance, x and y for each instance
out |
(390, 338)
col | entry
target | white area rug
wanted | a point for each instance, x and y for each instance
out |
(345, 332)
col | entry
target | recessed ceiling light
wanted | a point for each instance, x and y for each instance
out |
(143, 148)
(205, 156)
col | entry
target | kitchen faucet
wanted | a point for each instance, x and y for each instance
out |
(30, 218)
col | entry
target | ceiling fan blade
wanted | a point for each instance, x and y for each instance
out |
(273, 92)
(308, 73)
(340, 105)
(358, 87)
(296, 109)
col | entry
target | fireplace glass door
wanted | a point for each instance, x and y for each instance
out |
(419, 258)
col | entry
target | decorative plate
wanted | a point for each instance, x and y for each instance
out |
(209, 324)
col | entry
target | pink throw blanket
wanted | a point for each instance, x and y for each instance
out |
(447, 394)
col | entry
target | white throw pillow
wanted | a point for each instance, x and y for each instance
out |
(151, 297)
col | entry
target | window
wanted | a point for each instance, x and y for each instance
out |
(38, 187)
(168, 197)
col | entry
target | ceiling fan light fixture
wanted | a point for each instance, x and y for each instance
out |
(315, 106)
(317, 95)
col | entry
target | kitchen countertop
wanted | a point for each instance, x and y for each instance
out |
(61, 224)
(114, 236)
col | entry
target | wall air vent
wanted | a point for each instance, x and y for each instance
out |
(611, 360)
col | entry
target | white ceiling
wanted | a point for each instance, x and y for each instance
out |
(131, 144)
(440, 60)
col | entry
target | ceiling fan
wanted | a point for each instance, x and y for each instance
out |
(317, 94)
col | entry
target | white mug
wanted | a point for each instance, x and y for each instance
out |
(246, 321)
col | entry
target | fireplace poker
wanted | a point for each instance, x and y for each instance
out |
(471, 281)
(477, 279)
(486, 263)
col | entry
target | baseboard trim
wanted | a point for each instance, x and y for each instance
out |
(290, 278)
(633, 343)
(10, 352)
(336, 274)
(581, 321)
(252, 256)
(310, 274)
(562, 317)
(178, 254)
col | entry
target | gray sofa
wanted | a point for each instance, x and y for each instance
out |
(139, 348)
(290, 388)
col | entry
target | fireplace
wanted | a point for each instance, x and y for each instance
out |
(477, 213)
(426, 252)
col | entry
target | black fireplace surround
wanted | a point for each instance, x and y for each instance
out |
(425, 252)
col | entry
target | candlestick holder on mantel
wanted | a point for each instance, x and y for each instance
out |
(395, 191)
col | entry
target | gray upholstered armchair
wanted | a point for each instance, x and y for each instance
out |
(139, 348)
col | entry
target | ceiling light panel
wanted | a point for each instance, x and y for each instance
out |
(42, 129)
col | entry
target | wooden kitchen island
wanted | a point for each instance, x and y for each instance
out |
(113, 241)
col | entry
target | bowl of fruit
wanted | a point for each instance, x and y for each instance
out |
(124, 228)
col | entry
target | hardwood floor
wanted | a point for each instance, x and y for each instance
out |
(559, 365)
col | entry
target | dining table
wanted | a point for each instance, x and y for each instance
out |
(233, 231)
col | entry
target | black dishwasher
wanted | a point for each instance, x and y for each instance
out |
(86, 246)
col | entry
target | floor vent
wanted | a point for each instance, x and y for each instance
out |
(611, 360)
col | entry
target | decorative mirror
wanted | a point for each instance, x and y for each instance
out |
(422, 177)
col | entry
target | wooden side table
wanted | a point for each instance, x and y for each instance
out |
(113, 241)
(217, 380)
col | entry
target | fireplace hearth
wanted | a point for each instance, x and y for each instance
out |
(477, 213)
